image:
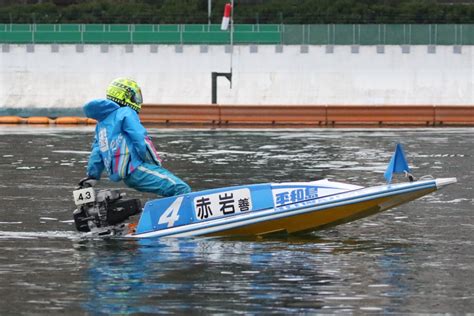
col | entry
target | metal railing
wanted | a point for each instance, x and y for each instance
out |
(311, 34)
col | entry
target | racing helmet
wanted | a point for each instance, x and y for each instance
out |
(125, 92)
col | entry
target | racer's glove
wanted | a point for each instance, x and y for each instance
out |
(87, 182)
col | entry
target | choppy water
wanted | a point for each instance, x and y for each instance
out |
(416, 258)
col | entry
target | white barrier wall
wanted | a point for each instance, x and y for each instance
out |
(68, 78)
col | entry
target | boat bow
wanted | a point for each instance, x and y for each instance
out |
(442, 182)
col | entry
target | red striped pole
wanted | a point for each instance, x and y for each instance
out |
(226, 17)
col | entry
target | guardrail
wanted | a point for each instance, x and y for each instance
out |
(283, 34)
(306, 115)
(294, 115)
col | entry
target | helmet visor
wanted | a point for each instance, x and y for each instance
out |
(137, 96)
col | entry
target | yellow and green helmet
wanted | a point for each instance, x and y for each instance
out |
(125, 92)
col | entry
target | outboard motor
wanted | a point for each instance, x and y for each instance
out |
(102, 208)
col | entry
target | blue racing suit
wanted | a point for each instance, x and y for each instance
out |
(123, 148)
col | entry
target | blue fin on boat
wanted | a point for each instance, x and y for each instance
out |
(398, 164)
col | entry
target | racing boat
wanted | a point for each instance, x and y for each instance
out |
(258, 209)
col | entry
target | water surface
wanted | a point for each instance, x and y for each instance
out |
(416, 258)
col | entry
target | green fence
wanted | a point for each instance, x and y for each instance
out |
(317, 34)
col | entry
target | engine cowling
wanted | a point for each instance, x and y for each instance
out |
(109, 208)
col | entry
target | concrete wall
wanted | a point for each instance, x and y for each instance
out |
(60, 76)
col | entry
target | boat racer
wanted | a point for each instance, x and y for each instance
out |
(122, 146)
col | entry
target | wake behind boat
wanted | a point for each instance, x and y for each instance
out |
(258, 209)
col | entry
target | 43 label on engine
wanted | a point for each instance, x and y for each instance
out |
(84, 196)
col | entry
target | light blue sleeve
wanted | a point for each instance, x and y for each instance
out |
(95, 165)
(133, 127)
